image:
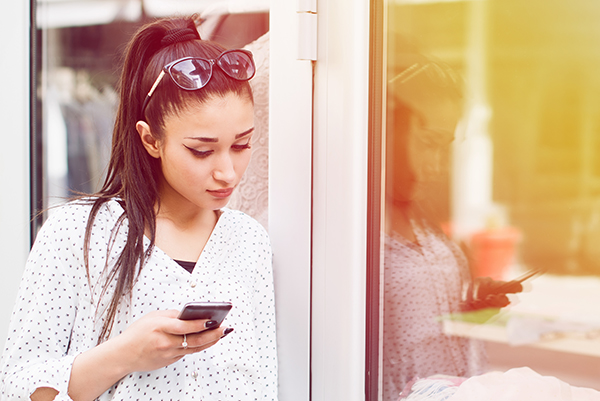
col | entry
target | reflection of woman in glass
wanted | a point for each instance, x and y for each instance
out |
(425, 272)
(97, 311)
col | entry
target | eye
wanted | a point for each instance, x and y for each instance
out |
(199, 153)
(243, 146)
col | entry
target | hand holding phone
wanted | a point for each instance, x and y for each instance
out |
(215, 311)
(484, 292)
(514, 286)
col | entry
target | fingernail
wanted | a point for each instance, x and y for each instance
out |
(227, 331)
(211, 324)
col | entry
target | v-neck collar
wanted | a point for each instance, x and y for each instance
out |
(210, 253)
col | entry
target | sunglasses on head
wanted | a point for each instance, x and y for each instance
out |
(193, 73)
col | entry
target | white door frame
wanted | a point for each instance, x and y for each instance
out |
(290, 148)
(340, 201)
(321, 328)
(14, 156)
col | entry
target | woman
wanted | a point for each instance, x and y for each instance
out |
(96, 314)
(426, 275)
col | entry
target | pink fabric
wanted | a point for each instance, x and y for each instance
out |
(521, 384)
(433, 388)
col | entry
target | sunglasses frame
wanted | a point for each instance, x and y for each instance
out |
(212, 62)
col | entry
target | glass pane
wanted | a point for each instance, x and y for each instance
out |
(491, 170)
(78, 55)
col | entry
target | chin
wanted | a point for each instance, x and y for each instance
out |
(220, 204)
(405, 195)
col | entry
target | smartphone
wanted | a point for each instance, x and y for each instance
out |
(509, 285)
(528, 275)
(206, 310)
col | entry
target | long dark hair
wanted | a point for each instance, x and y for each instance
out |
(133, 176)
(418, 85)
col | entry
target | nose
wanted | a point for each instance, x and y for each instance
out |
(224, 170)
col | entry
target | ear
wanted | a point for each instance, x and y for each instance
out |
(150, 143)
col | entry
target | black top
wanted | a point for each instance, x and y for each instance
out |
(189, 266)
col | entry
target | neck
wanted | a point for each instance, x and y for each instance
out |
(397, 219)
(183, 229)
(182, 213)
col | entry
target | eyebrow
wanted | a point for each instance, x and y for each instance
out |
(212, 140)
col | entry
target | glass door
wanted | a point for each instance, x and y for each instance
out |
(486, 244)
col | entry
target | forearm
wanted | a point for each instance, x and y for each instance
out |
(92, 372)
(96, 370)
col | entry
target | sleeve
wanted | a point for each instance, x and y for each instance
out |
(264, 320)
(36, 351)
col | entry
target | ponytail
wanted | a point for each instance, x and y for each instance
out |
(133, 176)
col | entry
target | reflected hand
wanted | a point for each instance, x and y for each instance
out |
(485, 292)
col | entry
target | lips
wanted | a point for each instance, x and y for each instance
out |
(221, 193)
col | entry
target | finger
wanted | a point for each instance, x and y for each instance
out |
(513, 287)
(207, 338)
(498, 301)
(180, 327)
(189, 345)
(211, 324)
(489, 286)
(226, 331)
(494, 287)
(202, 347)
(505, 287)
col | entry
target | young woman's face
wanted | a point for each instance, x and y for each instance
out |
(205, 151)
(416, 159)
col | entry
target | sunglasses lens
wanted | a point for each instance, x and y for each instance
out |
(237, 64)
(191, 74)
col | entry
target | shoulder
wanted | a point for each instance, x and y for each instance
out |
(244, 239)
(240, 218)
(74, 216)
(242, 224)
(80, 210)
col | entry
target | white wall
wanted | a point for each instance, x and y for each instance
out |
(14, 155)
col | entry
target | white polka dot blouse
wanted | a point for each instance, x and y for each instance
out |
(56, 313)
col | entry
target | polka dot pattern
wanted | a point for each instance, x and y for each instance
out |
(422, 281)
(57, 313)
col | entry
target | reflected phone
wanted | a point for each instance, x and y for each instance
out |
(529, 274)
(206, 310)
(508, 287)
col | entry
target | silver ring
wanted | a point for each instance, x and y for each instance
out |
(184, 344)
